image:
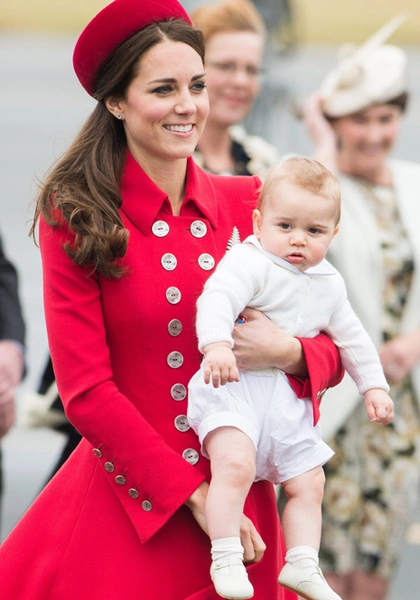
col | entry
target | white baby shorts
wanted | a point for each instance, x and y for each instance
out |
(264, 407)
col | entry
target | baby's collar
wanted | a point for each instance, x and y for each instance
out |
(324, 267)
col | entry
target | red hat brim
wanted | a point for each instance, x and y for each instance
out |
(111, 27)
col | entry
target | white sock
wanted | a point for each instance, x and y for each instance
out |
(302, 556)
(227, 547)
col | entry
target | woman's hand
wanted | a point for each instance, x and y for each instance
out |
(260, 344)
(251, 540)
(321, 133)
(399, 356)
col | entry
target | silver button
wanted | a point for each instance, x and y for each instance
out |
(191, 456)
(175, 360)
(108, 466)
(181, 423)
(133, 493)
(198, 229)
(96, 452)
(206, 262)
(175, 327)
(178, 392)
(173, 295)
(160, 228)
(120, 479)
(169, 262)
(146, 505)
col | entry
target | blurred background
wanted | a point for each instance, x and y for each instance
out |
(42, 106)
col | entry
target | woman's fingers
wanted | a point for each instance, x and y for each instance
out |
(252, 542)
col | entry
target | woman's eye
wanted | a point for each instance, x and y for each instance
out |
(163, 89)
(199, 86)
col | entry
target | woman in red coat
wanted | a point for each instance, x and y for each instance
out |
(130, 228)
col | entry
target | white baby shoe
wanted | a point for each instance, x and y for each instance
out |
(230, 579)
(309, 582)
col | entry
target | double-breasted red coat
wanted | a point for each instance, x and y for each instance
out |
(112, 524)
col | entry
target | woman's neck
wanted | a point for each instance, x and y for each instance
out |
(169, 176)
(216, 147)
(379, 175)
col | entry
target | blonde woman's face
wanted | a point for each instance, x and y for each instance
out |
(233, 67)
(367, 137)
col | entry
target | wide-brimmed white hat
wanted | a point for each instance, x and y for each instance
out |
(372, 73)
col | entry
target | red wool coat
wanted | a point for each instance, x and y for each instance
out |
(112, 524)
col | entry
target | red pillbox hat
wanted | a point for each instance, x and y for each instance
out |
(111, 27)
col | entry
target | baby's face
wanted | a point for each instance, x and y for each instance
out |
(296, 224)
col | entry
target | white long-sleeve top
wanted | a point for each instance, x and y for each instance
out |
(300, 303)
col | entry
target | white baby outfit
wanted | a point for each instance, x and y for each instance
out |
(262, 403)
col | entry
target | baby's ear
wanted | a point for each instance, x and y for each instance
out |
(256, 222)
(337, 229)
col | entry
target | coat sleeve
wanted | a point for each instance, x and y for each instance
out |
(93, 403)
(12, 326)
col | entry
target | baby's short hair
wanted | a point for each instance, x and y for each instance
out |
(306, 173)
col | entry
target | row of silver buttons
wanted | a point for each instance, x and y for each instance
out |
(173, 295)
(161, 229)
(121, 480)
(169, 261)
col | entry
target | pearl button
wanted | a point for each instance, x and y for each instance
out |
(160, 228)
(169, 262)
(178, 392)
(181, 423)
(191, 456)
(146, 505)
(198, 229)
(175, 360)
(133, 493)
(173, 295)
(96, 452)
(120, 480)
(175, 327)
(108, 466)
(206, 262)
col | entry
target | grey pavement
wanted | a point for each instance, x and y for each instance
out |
(42, 106)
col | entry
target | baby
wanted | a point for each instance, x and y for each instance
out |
(254, 427)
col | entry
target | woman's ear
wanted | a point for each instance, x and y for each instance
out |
(256, 222)
(114, 105)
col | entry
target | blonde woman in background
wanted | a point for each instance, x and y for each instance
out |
(234, 35)
(372, 481)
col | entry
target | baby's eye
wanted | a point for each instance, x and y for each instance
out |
(285, 226)
(313, 230)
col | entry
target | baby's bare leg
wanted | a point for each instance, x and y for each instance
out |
(232, 455)
(302, 518)
(302, 532)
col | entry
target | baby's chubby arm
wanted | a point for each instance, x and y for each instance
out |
(379, 406)
(219, 364)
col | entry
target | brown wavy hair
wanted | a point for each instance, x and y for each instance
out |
(84, 184)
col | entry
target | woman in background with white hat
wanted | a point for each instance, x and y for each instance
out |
(372, 481)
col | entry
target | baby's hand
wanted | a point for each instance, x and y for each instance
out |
(379, 406)
(220, 364)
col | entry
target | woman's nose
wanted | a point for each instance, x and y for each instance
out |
(185, 105)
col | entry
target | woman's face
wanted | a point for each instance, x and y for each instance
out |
(368, 136)
(233, 67)
(166, 105)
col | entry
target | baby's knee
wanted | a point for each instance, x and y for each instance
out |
(238, 469)
(308, 486)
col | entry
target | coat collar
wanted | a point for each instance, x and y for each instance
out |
(324, 267)
(143, 200)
